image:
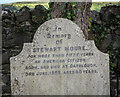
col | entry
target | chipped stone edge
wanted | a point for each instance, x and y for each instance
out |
(93, 43)
(107, 59)
(25, 44)
(90, 42)
(31, 44)
(22, 51)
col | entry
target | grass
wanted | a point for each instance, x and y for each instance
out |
(30, 4)
(95, 5)
(19, 5)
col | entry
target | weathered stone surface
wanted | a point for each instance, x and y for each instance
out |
(6, 79)
(23, 14)
(118, 31)
(114, 90)
(17, 39)
(6, 67)
(5, 58)
(116, 44)
(109, 12)
(39, 14)
(106, 41)
(60, 62)
(6, 89)
(7, 14)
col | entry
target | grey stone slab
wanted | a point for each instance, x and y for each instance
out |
(60, 61)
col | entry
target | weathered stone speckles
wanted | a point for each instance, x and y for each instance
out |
(60, 62)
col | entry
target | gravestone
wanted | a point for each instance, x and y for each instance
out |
(60, 61)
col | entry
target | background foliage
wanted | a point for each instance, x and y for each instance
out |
(16, 6)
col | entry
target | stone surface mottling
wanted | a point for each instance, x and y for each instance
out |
(60, 62)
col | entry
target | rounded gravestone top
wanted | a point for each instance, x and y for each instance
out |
(58, 28)
(60, 62)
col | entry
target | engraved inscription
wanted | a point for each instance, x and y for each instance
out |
(60, 61)
(63, 63)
